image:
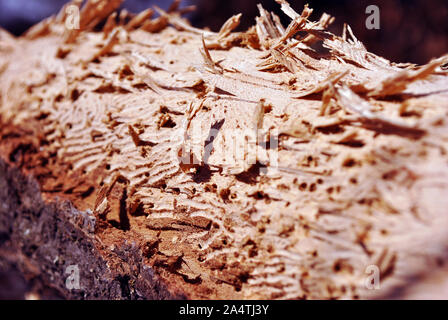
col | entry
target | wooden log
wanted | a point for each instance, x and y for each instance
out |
(165, 161)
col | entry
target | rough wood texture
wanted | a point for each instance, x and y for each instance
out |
(272, 163)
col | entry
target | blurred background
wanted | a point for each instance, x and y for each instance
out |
(411, 30)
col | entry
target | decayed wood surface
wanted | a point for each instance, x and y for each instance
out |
(350, 169)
